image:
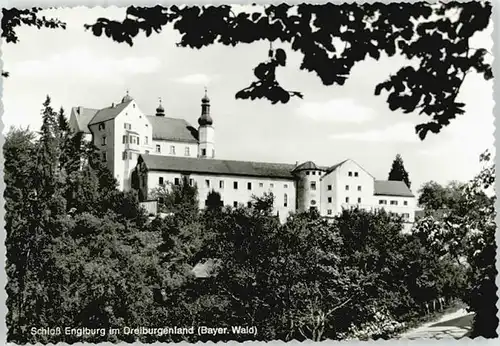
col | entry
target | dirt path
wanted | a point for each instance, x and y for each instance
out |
(452, 325)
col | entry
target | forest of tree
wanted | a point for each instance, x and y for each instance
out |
(80, 253)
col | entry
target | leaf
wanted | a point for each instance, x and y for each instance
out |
(280, 57)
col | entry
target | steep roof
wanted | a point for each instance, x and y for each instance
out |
(82, 118)
(392, 188)
(334, 167)
(109, 113)
(306, 166)
(174, 129)
(222, 167)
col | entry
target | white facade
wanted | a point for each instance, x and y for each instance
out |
(123, 132)
(207, 142)
(234, 190)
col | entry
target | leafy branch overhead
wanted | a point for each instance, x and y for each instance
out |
(436, 35)
(332, 39)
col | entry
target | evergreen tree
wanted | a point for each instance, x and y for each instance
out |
(398, 171)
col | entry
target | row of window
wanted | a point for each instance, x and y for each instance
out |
(187, 150)
(313, 172)
(330, 187)
(356, 174)
(177, 181)
(249, 204)
(133, 139)
(393, 202)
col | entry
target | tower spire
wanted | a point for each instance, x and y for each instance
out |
(205, 118)
(160, 111)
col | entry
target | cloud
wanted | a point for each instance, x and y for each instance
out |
(336, 110)
(84, 64)
(194, 79)
(401, 132)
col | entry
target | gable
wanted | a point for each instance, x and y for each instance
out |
(108, 113)
(80, 118)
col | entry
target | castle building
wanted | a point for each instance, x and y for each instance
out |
(158, 150)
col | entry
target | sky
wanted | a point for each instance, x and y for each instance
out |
(330, 124)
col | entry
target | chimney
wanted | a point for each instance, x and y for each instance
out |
(113, 105)
(79, 110)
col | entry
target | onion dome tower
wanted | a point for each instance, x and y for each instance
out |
(206, 133)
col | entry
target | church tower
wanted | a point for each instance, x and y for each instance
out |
(206, 133)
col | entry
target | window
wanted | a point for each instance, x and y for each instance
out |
(160, 180)
(130, 155)
(124, 155)
(158, 148)
(405, 203)
(313, 185)
(186, 151)
(285, 204)
(347, 187)
(221, 184)
(394, 202)
(127, 126)
(406, 216)
(207, 183)
(285, 186)
(125, 139)
(138, 140)
(271, 185)
(235, 185)
(359, 200)
(350, 174)
(347, 199)
(249, 204)
(249, 186)
(235, 204)
(359, 187)
(314, 173)
(172, 150)
(103, 140)
(382, 201)
(146, 140)
(102, 126)
(329, 187)
(329, 212)
(261, 184)
(203, 152)
(307, 173)
(191, 182)
(329, 200)
(176, 181)
(355, 174)
(105, 156)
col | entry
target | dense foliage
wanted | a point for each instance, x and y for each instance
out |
(80, 253)
(398, 171)
(332, 38)
(465, 231)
